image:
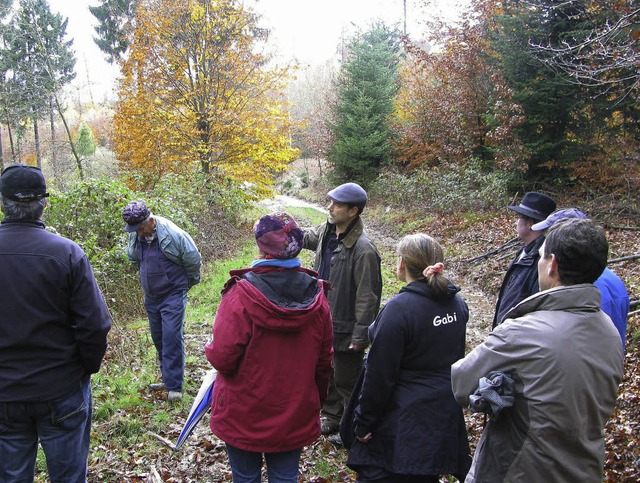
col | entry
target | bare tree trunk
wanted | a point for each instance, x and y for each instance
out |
(53, 131)
(1, 152)
(19, 139)
(66, 128)
(36, 138)
(54, 164)
(13, 149)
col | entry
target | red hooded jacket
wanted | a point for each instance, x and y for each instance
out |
(272, 347)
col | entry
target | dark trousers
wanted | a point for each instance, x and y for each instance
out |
(346, 368)
(63, 427)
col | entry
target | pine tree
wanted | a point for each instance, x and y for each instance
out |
(5, 96)
(85, 145)
(553, 108)
(40, 59)
(115, 25)
(366, 86)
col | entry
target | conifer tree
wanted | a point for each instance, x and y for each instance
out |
(41, 60)
(85, 144)
(553, 108)
(366, 87)
(115, 26)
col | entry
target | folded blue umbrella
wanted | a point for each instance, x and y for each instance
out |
(201, 405)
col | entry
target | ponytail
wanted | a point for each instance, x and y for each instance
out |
(438, 283)
(419, 251)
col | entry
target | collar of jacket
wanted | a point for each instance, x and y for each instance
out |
(23, 222)
(352, 234)
(531, 252)
(580, 297)
(236, 275)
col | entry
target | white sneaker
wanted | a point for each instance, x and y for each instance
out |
(174, 395)
(157, 386)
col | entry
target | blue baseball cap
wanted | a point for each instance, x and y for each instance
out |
(557, 216)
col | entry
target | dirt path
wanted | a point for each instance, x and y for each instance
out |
(481, 306)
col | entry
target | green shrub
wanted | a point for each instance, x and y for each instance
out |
(90, 213)
(443, 189)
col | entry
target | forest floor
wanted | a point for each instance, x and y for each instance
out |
(479, 282)
(135, 441)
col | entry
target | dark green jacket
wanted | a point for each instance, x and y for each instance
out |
(356, 283)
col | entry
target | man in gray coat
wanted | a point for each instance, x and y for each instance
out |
(350, 261)
(564, 354)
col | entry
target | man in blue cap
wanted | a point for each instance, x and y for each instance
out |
(53, 336)
(350, 261)
(521, 279)
(614, 299)
(169, 264)
(563, 354)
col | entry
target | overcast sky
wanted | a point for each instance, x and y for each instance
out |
(91, 66)
(307, 30)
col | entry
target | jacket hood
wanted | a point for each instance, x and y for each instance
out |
(283, 300)
(584, 297)
(422, 288)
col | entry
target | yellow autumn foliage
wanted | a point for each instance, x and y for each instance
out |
(196, 95)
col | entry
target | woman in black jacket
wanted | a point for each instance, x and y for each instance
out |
(407, 425)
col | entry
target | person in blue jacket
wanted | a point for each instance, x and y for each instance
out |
(614, 297)
(614, 301)
(169, 264)
(405, 424)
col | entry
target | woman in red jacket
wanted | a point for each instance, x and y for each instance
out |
(272, 348)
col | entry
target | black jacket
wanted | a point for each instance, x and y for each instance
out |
(406, 400)
(520, 281)
(54, 322)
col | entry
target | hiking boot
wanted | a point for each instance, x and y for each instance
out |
(328, 427)
(157, 386)
(174, 395)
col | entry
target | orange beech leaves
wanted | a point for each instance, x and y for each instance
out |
(454, 104)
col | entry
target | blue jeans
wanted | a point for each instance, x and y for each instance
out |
(246, 466)
(63, 427)
(166, 319)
